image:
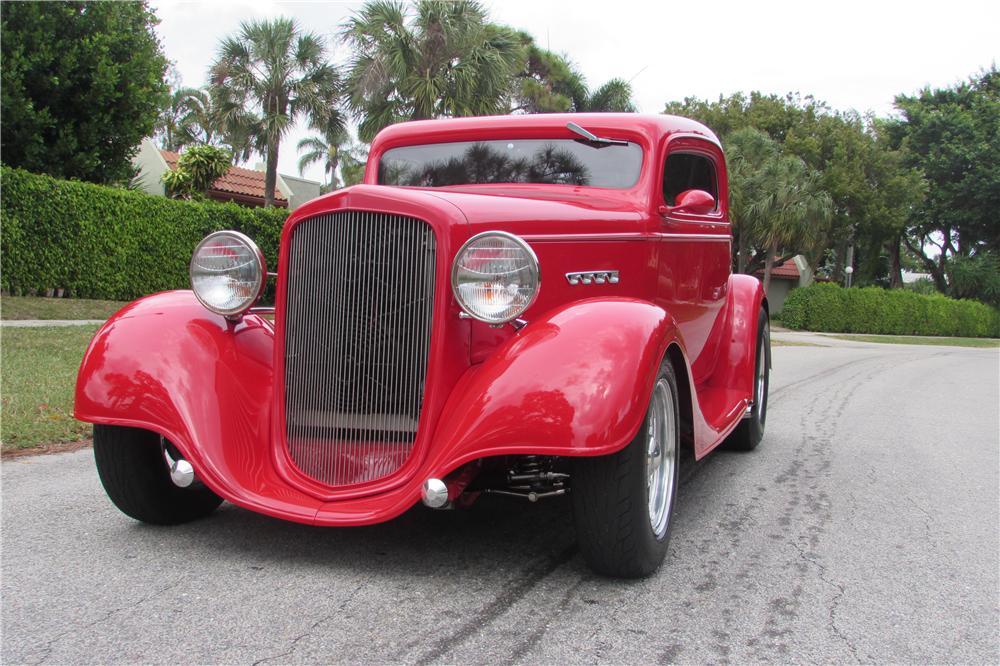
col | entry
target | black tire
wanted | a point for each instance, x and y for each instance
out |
(134, 473)
(610, 498)
(750, 431)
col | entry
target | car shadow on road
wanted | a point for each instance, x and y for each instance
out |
(493, 530)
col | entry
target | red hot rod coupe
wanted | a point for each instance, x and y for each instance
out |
(520, 305)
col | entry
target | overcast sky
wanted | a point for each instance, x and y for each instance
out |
(853, 55)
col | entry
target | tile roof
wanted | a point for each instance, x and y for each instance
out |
(785, 271)
(240, 181)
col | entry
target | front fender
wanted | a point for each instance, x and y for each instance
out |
(574, 383)
(166, 364)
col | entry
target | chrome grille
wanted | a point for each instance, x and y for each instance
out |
(357, 335)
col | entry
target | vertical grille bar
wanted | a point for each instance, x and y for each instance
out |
(357, 336)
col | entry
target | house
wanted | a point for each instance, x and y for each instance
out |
(794, 272)
(239, 185)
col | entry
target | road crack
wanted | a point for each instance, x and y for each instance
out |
(50, 644)
(315, 625)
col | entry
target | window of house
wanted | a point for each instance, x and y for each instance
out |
(688, 171)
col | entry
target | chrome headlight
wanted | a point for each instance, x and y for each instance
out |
(495, 277)
(227, 273)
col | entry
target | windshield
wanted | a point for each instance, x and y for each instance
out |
(549, 161)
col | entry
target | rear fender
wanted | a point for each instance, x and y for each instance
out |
(575, 382)
(736, 366)
(166, 364)
(723, 399)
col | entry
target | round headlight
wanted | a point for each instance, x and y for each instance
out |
(495, 277)
(227, 273)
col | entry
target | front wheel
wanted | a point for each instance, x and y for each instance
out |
(623, 502)
(136, 476)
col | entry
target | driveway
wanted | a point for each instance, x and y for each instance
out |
(865, 528)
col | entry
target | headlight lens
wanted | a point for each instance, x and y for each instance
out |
(227, 273)
(495, 277)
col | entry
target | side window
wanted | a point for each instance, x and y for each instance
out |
(688, 171)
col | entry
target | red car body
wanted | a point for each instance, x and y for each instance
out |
(574, 381)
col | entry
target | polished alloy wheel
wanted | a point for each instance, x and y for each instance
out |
(661, 457)
(761, 394)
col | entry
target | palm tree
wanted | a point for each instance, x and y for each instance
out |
(775, 201)
(174, 125)
(549, 83)
(794, 210)
(266, 77)
(615, 95)
(445, 60)
(334, 144)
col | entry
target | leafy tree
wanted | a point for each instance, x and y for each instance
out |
(197, 168)
(266, 77)
(773, 114)
(953, 136)
(445, 59)
(82, 84)
(870, 187)
(976, 276)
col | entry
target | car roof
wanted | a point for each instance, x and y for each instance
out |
(652, 127)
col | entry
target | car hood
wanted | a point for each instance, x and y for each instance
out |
(542, 210)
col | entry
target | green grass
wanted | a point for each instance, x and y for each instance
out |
(792, 343)
(919, 340)
(36, 391)
(27, 307)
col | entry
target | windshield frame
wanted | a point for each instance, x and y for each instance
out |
(634, 139)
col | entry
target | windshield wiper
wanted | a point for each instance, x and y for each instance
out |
(593, 138)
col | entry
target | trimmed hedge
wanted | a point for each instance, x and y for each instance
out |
(830, 308)
(103, 242)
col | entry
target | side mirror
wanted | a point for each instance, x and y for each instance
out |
(695, 202)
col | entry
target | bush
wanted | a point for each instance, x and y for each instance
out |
(828, 307)
(102, 242)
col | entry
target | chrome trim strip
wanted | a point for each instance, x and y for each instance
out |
(695, 237)
(596, 238)
(669, 219)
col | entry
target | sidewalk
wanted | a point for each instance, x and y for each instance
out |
(35, 323)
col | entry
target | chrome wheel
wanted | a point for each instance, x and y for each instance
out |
(761, 393)
(661, 457)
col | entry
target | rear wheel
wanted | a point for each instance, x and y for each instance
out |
(135, 473)
(750, 431)
(623, 502)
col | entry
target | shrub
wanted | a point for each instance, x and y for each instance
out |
(197, 168)
(828, 307)
(102, 242)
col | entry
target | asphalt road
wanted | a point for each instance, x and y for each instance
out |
(864, 529)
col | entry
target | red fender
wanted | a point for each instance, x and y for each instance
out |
(166, 364)
(575, 382)
(723, 399)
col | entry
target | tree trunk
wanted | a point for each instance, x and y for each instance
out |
(741, 253)
(271, 175)
(895, 268)
(768, 263)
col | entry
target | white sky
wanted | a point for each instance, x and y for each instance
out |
(851, 54)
